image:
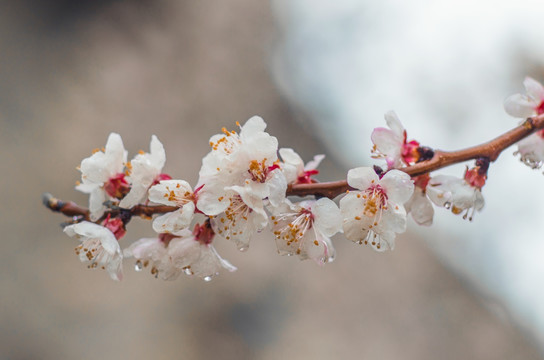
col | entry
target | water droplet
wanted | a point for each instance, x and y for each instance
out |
(188, 271)
(243, 248)
(207, 278)
(138, 266)
(447, 205)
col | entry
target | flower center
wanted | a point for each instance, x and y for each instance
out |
(409, 152)
(115, 225)
(204, 233)
(117, 186)
(259, 170)
(540, 108)
(306, 177)
(236, 212)
(297, 225)
(375, 200)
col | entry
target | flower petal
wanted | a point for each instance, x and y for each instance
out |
(534, 89)
(171, 192)
(394, 124)
(420, 207)
(398, 186)
(362, 177)
(327, 217)
(176, 220)
(519, 105)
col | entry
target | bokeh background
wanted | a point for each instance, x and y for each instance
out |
(321, 75)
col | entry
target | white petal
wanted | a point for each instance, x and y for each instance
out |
(478, 200)
(252, 194)
(86, 187)
(420, 207)
(277, 185)
(94, 169)
(534, 89)
(183, 252)
(350, 207)
(394, 123)
(313, 164)
(115, 268)
(145, 168)
(158, 154)
(362, 177)
(176, 220)
(289, 155)
(387, 142)
(171, 192)
(393, 219)
(292, 164)
(519, 105)
(115, 153)
(398, 186)
(100, 166)
(386, 241)
(212, 199)
(321, 253)
(96, 203)
(253, 126)
(208, 264)
(327, 217)
(531, 150)
(137, 194)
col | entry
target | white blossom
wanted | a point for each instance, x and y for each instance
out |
(391, 144)
(455, 194)
(152, 253)
(99, 248)
(195, 255)
(531, 148)
(173, 193)
(304, 229)
(294, 169)
(529, 104)
(374, 214)
(237, 177)
(102, 175)
(145, 170)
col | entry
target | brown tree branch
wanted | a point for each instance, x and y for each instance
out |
(490, 150)
(72, 209)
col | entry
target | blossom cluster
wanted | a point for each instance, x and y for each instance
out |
(242, 190)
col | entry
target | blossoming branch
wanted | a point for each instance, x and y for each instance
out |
(244, 187)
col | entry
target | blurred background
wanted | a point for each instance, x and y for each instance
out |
(321, 74)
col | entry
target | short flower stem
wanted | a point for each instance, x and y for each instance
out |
(490, 150)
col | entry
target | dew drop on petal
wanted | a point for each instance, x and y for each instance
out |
(188, 271)
(207, 278)
(138, 266)
(243, 248)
